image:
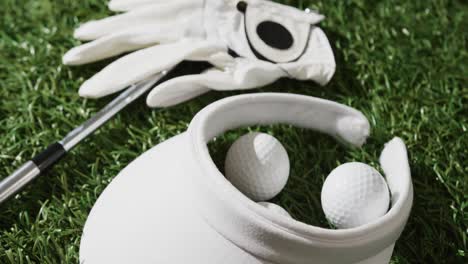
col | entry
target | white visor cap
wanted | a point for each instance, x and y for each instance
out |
(172, 204)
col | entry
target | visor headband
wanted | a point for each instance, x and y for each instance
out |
(242, 220)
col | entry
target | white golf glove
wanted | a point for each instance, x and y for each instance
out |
(250, 44)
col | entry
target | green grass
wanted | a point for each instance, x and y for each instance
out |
(402, 63)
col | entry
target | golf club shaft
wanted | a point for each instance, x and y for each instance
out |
(46, 159)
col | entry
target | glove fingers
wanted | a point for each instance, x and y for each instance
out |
(177, 91)
(249, 74)
(143, 64)
(127, 5)
(172, 13)
(121, 42)
(181, 89)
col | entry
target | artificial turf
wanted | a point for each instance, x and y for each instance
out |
(402, 63)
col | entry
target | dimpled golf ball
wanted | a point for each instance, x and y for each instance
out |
(275, 208)
(258, 166)
(354, 194)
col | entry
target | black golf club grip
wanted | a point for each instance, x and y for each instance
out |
(49, 157)
(30, 170)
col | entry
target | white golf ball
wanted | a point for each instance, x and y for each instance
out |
(258, 166)
(275, 208)
(354, 194)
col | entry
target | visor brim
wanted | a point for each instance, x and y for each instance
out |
(148, 215)
(172, 205)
